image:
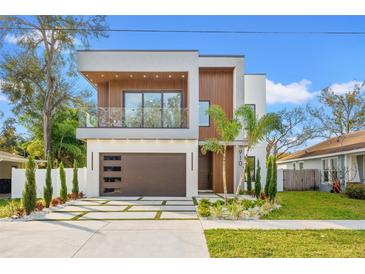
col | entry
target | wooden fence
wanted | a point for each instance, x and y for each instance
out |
(306, 179)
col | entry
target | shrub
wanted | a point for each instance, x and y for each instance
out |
(39, 206)
(217, 208)
(48, 189)
(75, 181)
(204, 202)
(56, 201)
(241, 192)
(29, 197)
(63, 190)
(203, 210)
(273, 180)
(258, 180)
(268, 175)
(235, 209)
(13, 209)
(262, 196)
(249, 178)
(355, 190)
(81, 195)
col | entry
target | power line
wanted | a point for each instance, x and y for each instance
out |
(248, 32)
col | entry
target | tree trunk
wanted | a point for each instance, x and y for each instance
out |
(47, 140)
(224, 175)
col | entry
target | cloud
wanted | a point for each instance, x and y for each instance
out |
(294, 93)
(342, 88)
(11, 39)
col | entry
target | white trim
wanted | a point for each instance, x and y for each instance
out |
(323, 155)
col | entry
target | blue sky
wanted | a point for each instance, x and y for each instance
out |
(297, 66)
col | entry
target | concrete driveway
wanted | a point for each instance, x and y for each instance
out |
(141, 227)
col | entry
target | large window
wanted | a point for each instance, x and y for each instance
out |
(203, 116)
(151, 109)
(329, 169)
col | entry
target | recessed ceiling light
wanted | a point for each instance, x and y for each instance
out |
(183, 76)
(169, 75)
(92, 80)
(96, 84)
(144, 76)
(87, 75)
(102, 75)
(116, 76)
(156, 75)
(131, 75)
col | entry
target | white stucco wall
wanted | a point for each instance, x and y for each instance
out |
(146, 61)
(255, 93)
(95, 147)
(18, 181)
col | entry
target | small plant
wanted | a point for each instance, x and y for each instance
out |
(48, 189)
(235, 209)
(81, 195)
(203, 210)
(355, 190)
(75, 181)
(217, 208)
(204, 202)
(262, 196)
(39, 205)
(63, 190)
(241, 192)
(13, 209)
(56, 201)
(29, 196)
(258, 180)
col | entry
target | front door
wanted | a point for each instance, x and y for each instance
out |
(205, 171)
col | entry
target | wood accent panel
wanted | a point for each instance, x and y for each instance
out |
(116, 88)
(216, 86)
(217, 179)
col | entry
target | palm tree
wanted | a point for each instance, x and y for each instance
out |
(255, 130)
(227, 131)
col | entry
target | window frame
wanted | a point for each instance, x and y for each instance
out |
(209, 122)
(330, 169)
(162, 91)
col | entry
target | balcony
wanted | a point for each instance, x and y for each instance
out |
(134, 118)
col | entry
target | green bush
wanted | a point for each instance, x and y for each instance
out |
(48, 189)
(273, 180)
(63, 190)
(258, 180)
(204, 210)
(204, 202)
(355, 190)
(268, 176)
(235, 209)
(12, 209)
(29, 197)
(248, 178)
(75, 181)
(217, 208)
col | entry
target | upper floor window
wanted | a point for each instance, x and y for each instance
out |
(204, 120)
(153, 109)
(253, 106)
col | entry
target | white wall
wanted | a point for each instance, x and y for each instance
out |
(18, 181)
(95, 147)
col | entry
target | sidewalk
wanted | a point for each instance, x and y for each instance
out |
(284, 224)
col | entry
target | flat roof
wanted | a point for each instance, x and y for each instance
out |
(137, 50)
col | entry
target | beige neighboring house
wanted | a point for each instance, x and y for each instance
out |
(7, 162)
(342, 156)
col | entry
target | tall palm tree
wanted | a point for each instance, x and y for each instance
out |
(227, 131)
(255, 130)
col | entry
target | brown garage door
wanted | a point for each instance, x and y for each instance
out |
(143, 174)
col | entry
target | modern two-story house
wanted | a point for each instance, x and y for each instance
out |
(144, 137)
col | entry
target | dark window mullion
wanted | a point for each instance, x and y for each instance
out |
(142, 109)
(162, 108)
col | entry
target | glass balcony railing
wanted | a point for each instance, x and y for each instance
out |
(115, 117)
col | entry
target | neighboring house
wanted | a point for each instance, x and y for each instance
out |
(144, 137)
(7, 162)
(339, 157)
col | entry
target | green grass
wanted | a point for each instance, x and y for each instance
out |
(304, 205)
(225, 243)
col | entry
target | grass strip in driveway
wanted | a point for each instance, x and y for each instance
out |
(227, 243)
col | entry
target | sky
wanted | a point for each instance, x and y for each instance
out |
(298, 66)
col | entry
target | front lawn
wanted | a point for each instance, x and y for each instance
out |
(304, 205)
(226, 243)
